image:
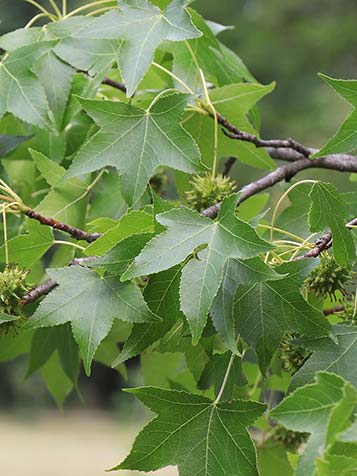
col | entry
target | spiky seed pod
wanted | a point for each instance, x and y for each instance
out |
(327, 278)
(207, 190)
(292, 356)
(292, 440)
(12, 288)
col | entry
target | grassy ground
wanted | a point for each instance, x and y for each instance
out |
(79, 444)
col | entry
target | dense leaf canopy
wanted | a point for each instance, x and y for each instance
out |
(124, 235)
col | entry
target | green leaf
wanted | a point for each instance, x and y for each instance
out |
(21, 93)
(345, 140)
(337, 354)
(265, 311)
(21, 37)
(137, 142)
(135, 222)
(116, 261)
(90, 303)
(42, 347)
(328, 210)
(56, 79)
(214, 373)
(201, 277)
(322, 409)
(295, 217)
(202, 47)
(93, 56)
(336, 465)
(169, 365)
(26, 249)
(143, 27)
(347, 89)
(234, 102)
(229, 67)
(4, 318)
(67, 199)
(236, 272)
(9, 143)
(45, 342)
(203, 438)
(162, 297)
(273, 460)
(57, 382)
(297, 271)
(11, 346)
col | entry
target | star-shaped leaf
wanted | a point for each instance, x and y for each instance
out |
(42, 60)
(201, 437)
(137, 142)
(90, 303)
(265, 311)
(337, 354)
(143, 27)
(188, 231)
(329, 210)
(322, 409)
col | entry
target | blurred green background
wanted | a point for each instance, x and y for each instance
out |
(279, 40)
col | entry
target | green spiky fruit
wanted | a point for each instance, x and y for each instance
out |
(12, 288)
(292, 356)
(327, 278)
(292, 440)
(207, 190)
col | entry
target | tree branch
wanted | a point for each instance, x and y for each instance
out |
(37, 292)
(74, 232)
(228, 165)
(115, 84)
(232, 132)
(321, 244)
(341, 163)
(334, 310)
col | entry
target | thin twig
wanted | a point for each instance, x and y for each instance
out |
(74, 232)
(37, 292)
(228, 166)
(322, 244)
(334, 310)
(114, 84)
(233, 133)
(84, 260)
